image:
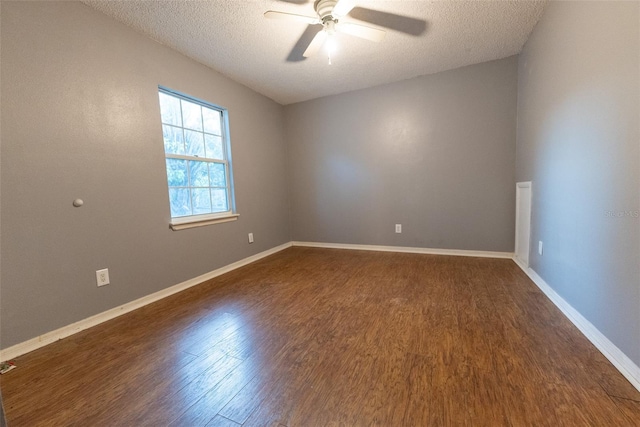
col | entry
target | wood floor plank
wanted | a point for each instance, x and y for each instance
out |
(207, 405)
(630, 408)
(220, 421)
(331, 337)
(280, 403)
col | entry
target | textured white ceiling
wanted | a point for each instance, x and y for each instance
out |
(233, 37)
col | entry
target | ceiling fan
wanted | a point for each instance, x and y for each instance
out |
(329, 15)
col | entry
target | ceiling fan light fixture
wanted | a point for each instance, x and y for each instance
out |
(331, 45)
(329, 15)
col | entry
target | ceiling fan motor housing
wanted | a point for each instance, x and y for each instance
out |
(324, 8)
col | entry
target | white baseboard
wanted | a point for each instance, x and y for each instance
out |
(42, 340)
(405, 249)
(522, 265)
(620, 360)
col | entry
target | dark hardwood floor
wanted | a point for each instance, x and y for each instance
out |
(316, 337)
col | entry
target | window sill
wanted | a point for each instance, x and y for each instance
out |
(184, 223)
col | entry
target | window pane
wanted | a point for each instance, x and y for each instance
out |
(170, 110)
(198, 174)
(219, 199)
(196, 155)
(173, 140)
(216, 175)
(195, 143)
(201, 200)
(212, 121)
(191, 114)
(180, 201)
(177, 173)
(214, 147)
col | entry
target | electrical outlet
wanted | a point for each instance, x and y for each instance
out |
(398, 228)
(540, 247)
(102, 277)
(250, 237)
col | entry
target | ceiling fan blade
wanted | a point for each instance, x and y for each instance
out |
(297, 52)
(362, 31)
(343, 7)
(272, 14)
(315, 44)
(400, 23)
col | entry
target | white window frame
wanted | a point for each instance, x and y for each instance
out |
(198, 220)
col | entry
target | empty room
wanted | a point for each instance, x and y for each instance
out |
(320, 213)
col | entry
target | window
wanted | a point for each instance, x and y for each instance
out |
(198, 160)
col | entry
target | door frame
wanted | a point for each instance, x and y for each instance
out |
(519, 187)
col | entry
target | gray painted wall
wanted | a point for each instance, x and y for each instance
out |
(435, 153)
(80, 119)
(578, 141)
